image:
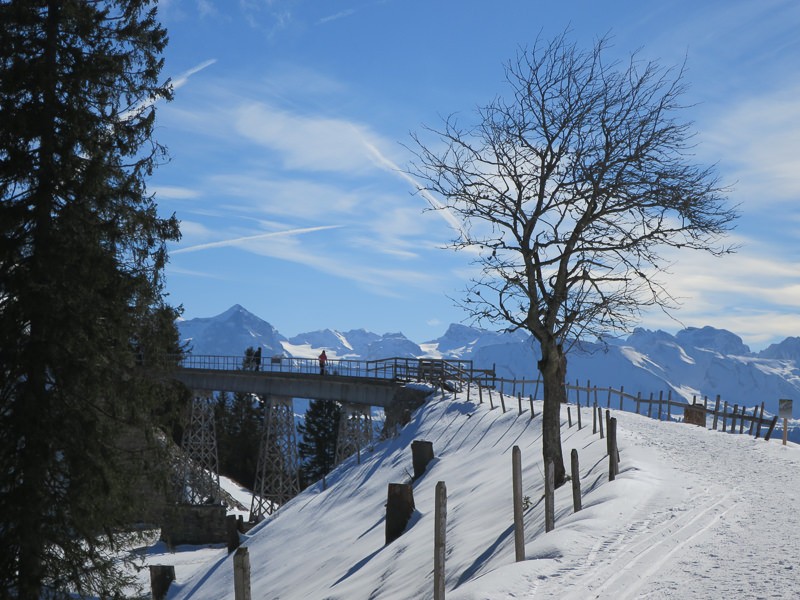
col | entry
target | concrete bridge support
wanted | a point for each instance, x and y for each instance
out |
(355, 430)
(198, 479)
(276, 480)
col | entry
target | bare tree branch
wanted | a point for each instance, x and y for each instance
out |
(571, 187)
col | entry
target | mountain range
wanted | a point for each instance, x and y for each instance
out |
(694, 362)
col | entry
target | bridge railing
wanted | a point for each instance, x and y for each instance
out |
(277, 364)
(396, 369)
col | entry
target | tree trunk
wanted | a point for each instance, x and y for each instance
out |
(553, 368)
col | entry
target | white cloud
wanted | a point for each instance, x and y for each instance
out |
(758, 140)
(298, 198)
(335, 17)
(307, 142)
(174, 192)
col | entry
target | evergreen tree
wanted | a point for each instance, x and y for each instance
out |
(318, 448)
(83, 319)
(239, 421)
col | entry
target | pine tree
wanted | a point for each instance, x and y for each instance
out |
(239, 423)
(318, 448)
(83, 320)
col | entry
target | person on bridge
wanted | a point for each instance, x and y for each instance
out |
(323, 358)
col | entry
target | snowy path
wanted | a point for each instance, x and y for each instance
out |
(710, 528)
(747, 546)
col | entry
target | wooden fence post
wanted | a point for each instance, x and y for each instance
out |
(638, 401)
(576, 481)
(725, 417)
(421, 456)
(660, 400)
(549, 496)
(669, 405)
(580, 426)
(613, 456)
(608, 432)
(733, 418)
(533, 414)
(716, 413)
(519, 525)
(503, 401)
(760, 418)
(439, 540)
(399, 508)
(519, 402)
(594, 417)
(232, 533)
(569, 416)
(621, 395)
(241, 574)
(771, 428)
(491, 404)
(600, 421)
(161, 576)
(650, 406)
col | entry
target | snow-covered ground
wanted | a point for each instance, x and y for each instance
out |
(693, 514)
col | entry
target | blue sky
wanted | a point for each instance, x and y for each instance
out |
(287, 138)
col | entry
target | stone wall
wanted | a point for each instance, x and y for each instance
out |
(194, 524)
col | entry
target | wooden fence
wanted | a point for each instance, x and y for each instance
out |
(732, 419)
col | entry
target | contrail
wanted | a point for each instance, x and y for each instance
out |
(441, 209)
(237, 241)
(181, 79)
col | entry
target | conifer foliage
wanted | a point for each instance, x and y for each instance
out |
(319, 431)
(83, 320)
(239, 426)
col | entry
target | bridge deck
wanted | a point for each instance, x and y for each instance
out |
(355, 390)
(373, 382)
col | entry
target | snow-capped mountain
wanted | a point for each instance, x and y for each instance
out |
(349, 344)
(696, 361)
(230, 334)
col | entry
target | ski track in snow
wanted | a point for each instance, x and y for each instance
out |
(700, 547)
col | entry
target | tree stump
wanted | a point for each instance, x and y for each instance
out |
(421, 455)
(161, 576)
(399, 508)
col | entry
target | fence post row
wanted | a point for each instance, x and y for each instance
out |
(756, 420)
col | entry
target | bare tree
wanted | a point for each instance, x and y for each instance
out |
(569, 191)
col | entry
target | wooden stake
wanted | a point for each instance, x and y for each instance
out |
(519, 525)
(439, 540)
(241, 574)
(549, 496)
(576, 481)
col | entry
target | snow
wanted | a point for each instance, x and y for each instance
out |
(693, 513)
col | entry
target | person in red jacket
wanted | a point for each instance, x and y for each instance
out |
(323, 358)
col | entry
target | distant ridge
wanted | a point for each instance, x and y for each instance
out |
(695, 361)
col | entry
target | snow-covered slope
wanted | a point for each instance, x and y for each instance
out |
(696, 361)
(671, 526)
